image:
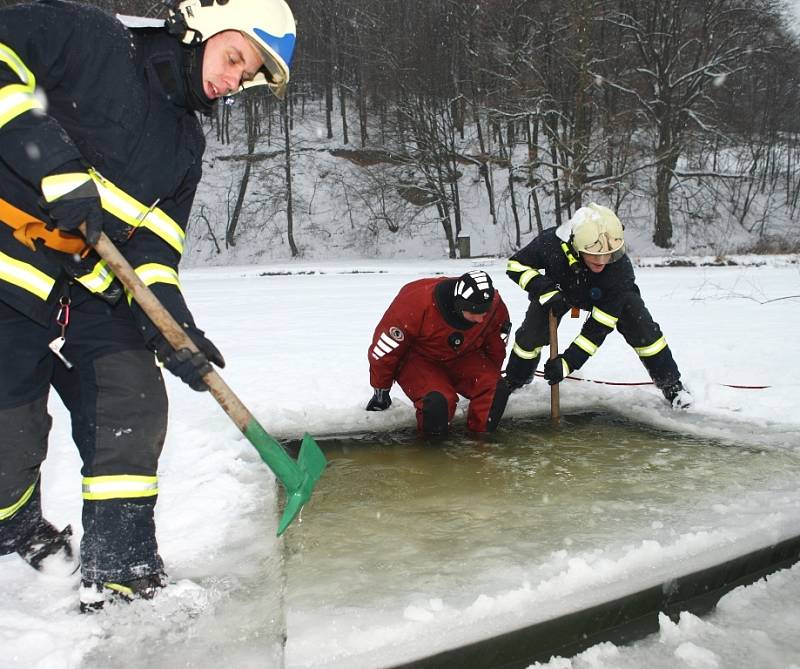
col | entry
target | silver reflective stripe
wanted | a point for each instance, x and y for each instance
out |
(460, 290)
(481, 279)
(384, 345)
(387, 343)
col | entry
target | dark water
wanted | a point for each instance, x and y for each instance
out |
(398, 517)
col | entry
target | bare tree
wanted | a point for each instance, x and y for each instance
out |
(682, 48)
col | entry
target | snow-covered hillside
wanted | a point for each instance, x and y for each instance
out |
(346, 204)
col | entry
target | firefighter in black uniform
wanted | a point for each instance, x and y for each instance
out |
(98, 126)
(582, 263)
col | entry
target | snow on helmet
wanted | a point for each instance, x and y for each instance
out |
(268, 23)
(594, 230)
(473, 292)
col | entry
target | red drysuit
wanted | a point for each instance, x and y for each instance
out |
(424, 346)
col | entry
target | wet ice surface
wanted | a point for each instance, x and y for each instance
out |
(441, 543)
(205, 621)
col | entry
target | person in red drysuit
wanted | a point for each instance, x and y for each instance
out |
(440, 338)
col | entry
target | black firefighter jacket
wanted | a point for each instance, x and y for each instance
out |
(75, 83)
(548, 264)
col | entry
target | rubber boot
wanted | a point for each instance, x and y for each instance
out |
(434, 414)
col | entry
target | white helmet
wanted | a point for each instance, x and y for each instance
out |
(268, 23)
(594, 230)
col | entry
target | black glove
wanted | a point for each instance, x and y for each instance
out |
(556, 303)
(555, 370)
(190, 367)
(380, 400)
(80, 204)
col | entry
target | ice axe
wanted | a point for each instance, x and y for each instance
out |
(298, 477)
(555, 411)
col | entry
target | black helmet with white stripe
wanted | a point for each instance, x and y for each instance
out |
(473, 292)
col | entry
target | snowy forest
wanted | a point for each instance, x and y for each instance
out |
(412, 125)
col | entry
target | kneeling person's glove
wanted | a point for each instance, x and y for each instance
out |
(380, 400)
(71, 198)
(556, 370)
(189, 366)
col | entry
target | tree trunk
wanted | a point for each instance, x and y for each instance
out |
(362, 109)
(483, 167)
(250, 126)
(444, 218)
(662, 237)
(515, 213)
(556, 186)
(343, 113)
(288, 166)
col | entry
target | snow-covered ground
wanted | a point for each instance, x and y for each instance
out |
(295, 336)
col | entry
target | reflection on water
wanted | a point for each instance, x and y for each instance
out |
(398, 517)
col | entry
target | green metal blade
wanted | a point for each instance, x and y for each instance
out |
(311, 462)
(298, 477)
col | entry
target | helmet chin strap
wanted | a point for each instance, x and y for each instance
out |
(193, 79)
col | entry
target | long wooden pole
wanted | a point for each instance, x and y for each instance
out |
(555, 410)
(298, 476)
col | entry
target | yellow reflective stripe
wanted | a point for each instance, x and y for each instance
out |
(10, 57)
(546, 296)
(25, 276)
(128, 209)
(657, 346)
(154, 273)
(586, 345)
(567, 252)
(603, 318)
(121, 589)
(516, 266)
(9, 511)
(121, 486)
(526, 355)
(99, 278)
(526, 273)
(565, 368)
(16, 99)
(526, 277)
(58, 185)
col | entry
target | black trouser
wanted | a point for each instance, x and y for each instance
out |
(118, 405)
(635, 324)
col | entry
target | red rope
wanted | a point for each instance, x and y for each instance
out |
(650, 383)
